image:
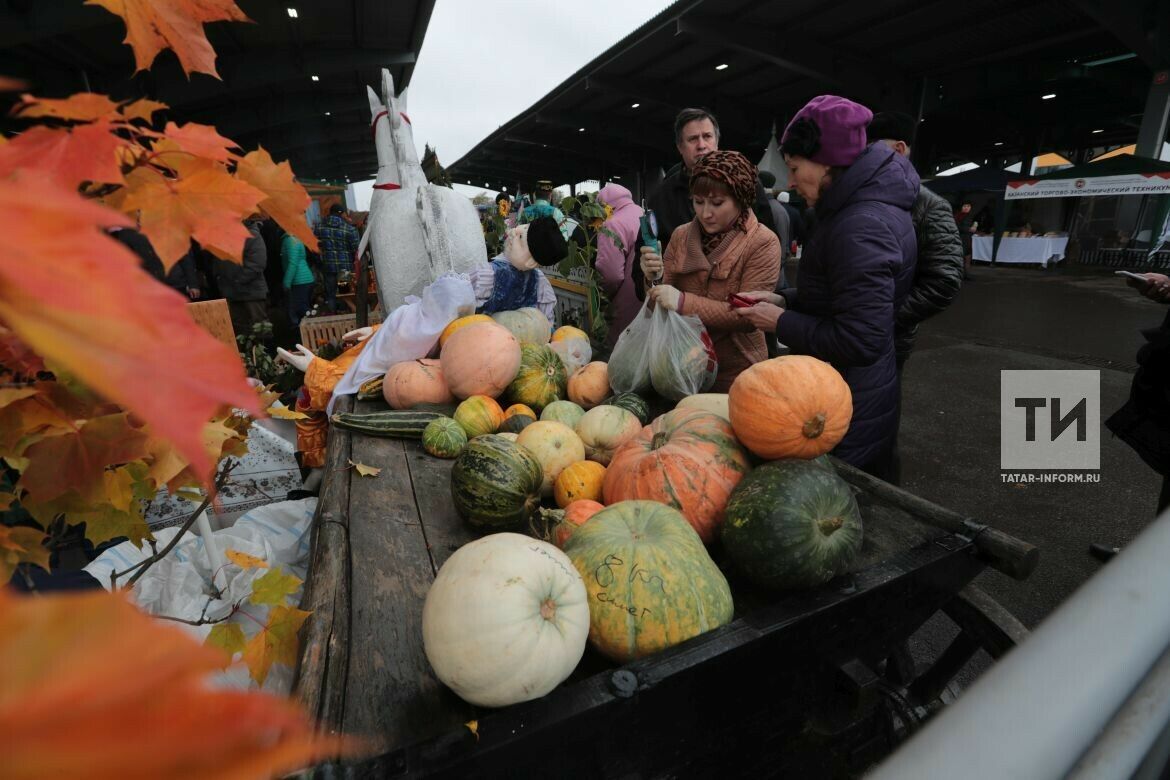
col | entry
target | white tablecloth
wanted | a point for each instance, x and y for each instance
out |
(1020, 250)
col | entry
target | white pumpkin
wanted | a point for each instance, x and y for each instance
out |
(715, 403)
(603, 429)
(505, 620)
(528, 325)
(555, 445)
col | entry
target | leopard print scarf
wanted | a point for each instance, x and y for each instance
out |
(738, 173)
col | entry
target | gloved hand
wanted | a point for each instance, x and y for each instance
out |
(299, 360)
(357, 336)
(665, 296)
(651, 263)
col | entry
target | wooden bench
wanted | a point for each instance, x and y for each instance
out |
(317, 331)
(215, 318)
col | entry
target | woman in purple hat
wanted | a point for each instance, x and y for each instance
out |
(856, 269)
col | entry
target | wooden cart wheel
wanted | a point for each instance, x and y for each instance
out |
(914, 694)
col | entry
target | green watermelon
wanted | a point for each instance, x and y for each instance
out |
(495, 483)
(792, 524)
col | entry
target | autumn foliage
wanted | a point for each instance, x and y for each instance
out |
(90, 687)
(109, 392)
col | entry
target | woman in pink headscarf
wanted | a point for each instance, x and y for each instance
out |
(615, 262)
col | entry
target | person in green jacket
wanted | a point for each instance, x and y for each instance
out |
(298, 278)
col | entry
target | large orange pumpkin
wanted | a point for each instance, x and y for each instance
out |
(688, 459)
(480, 359)
(579, 481)
(589, 384)
(793, 406)
(415, 382)
(462, 322)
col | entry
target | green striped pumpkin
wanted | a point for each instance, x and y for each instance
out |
(495, 483)
(792, 524)
(444, 438)
(632, 403)
(541, 379)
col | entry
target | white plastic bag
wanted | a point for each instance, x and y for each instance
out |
(664, 351)
(680, 354)
(574, 353)
(629, 367)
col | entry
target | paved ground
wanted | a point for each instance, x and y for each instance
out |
(1026, 318)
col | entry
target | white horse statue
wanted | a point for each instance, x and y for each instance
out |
(417, 231)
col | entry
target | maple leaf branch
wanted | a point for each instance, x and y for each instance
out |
(202, 621)
(145, 564)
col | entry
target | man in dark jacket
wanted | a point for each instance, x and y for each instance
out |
(243, 284)
(182, 278)
(696, 132)
(1144, 422)
(939, 272)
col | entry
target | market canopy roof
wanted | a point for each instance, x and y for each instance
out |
(1123, 175)
(978, 69)
(268, 94)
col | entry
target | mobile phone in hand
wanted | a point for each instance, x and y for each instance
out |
(1132, 275)
(739, 302)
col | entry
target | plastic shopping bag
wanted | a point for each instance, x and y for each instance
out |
(680, 354)
(574, 353)
(664, 351)
(629, 366)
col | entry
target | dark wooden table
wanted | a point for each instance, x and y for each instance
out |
(378, 543)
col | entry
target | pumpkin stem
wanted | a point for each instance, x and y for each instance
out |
(830, 524)
(548, 609)
(814, 426)
(659, 440)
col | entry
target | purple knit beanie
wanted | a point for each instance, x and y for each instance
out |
(842, 126)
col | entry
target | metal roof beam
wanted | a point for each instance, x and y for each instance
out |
(589, 151)
(42, 19)
(874, 80)
(633, 134)
(264, 67)
(265, 115)
(1141, 25)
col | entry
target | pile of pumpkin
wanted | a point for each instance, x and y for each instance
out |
(625, 563)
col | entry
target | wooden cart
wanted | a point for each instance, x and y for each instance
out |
(810, 684)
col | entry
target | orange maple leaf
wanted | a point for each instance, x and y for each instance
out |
(207, 204)
(76, 461)
(275, 643)
(154, 25)
(80, 299)
(68, 156)
(82, 107)
(200, 141)
(21, 545)
(91, 687)
(286, 201)
(142, 108)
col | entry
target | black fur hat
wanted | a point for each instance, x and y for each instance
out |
(545, 241)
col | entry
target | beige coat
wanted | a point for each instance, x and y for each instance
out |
(749, 261)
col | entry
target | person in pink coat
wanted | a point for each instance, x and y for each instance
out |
(615, 262)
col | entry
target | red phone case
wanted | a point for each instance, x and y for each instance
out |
(739, 303)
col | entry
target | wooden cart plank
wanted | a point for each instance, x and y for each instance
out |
(320, 682)
(445, 531)
(394, 697)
